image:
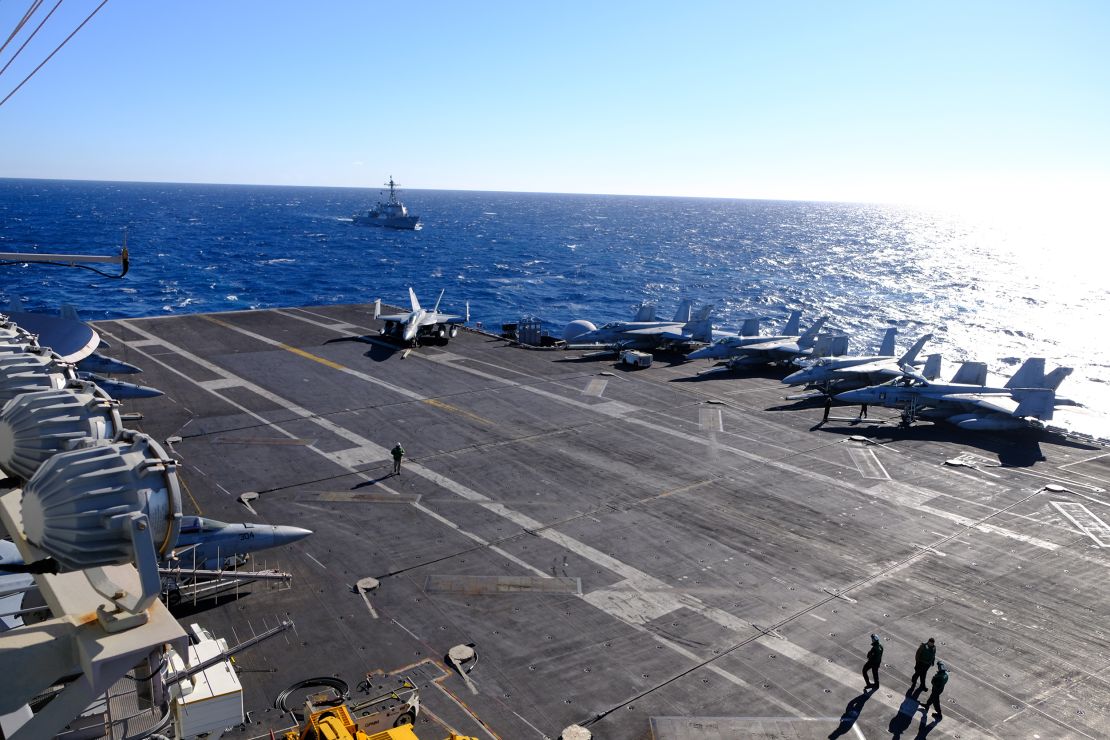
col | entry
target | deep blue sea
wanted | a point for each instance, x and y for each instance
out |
(988, 291)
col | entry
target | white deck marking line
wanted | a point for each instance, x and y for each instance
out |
(867, 464)
(710, 420)
(1085, 521)
(373, 614)
(622, 411)
(309, 556)
(859, 733)
(145, 343)
(341, 368)
(219, 384)
(595, 387)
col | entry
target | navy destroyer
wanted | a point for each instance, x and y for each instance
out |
(390, 213)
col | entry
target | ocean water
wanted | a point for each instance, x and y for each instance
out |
(992, 291)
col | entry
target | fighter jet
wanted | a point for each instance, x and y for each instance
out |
(639, 334)
(420, 323)
(845, 372)
(727, 345)
(207, 544)
(778, 349)
(1022, 402)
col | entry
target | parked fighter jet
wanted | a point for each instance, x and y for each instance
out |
(845, 372)
(773, 349)
(640, 334)
(420, 323)
(1022, 402)
(727, 346)
(210, 545)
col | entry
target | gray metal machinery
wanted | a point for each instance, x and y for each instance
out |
(529, 330)
(91, 508)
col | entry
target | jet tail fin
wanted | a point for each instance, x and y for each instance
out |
(1053, 379)
(971, 373)
(436, 308)
(886, 349)
(931, 371)
(646, 312)
(1029, 375)
(413, 301)
(1036, 402)
(807, 339)
(377, 308)
(911, 354)
(685, 308)
(699, 331)
(749, 328)
(822, 346)
(829, 345)
(703, 313)
(793, 324)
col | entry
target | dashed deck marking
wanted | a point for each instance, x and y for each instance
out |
(595, 387)
(710, 420)
(1085, 521)
(867, 463)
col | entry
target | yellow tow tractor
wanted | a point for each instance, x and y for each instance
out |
(387, 717)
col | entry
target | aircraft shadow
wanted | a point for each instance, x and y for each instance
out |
(770, 373)
(1018, 449)
(590, 356)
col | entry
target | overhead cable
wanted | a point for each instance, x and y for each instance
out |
(24, 44)
(56, 50)
(22, 22)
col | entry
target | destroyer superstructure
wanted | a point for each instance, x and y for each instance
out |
(390, 213)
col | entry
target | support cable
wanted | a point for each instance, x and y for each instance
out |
(56, 50)
(22, 22)
(24, 44)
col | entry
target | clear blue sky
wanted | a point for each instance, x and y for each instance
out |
(903, 101)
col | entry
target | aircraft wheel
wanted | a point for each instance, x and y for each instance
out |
(407, 718)
(454, 331)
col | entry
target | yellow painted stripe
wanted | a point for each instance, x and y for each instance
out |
(286, 347)
(314, 358)
(456, 410)
(342, 368)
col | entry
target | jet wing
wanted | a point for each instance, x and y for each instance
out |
(649, 331)
(876, 369)
(402, 317)
(783, 348)
(442, 318)
(999, 403)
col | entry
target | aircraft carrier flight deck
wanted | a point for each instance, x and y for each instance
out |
(647, 553)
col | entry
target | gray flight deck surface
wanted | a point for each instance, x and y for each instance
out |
(640, 552)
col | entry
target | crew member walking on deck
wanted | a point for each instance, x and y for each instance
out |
(923, 661)
(398, 452)
(939, 681)
(828, 408)
(874, 660)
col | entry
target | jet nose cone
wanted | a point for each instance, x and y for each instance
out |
(284, 535)
(699, 354)
(797, 377)
(857, 396)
